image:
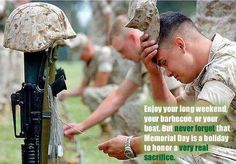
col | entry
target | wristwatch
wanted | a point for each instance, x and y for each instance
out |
(128, 150)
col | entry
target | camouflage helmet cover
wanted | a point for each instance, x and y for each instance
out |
(35, 26)
(144, 15)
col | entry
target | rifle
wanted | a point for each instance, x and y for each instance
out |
(32, 99)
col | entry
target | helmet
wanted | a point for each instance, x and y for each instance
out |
(144, 15)
(35, 26)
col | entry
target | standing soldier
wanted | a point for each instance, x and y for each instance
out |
(3, 57)
(10, 60)
(101, 21)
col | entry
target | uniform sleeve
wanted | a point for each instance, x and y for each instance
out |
(216, 93)
(219, 85)
(105, 63)
(135, 74)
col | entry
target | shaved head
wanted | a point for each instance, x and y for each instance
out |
(176, 24)
(118, 28)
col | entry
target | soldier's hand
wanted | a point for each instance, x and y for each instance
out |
(62, 95)
(114, 147)
(148, 53)
(72, 129)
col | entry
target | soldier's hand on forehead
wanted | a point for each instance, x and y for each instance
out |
(149, 50)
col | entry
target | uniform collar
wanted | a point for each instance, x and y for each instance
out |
(217, 43)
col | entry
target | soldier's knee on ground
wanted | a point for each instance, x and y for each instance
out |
(90, 98)
(88, 95)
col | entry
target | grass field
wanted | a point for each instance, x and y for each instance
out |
(10, 149)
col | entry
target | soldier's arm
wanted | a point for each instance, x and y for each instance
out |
(73, 92)
(108, 107)
(79, 91)
(101, 79)
(111, 104)
(115, 146)
(161, 93)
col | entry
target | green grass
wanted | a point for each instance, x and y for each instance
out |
(79, 112)
(10, 148)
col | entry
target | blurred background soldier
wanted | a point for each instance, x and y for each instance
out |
(127, 100)
(100, 22)
(3, 58)
(217, 16)
(11, 68)
(102, 74)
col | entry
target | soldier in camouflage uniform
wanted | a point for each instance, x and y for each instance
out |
(217, 16)
(102, 74)
(3, 58)
(100, 22)
(211, 80)
(127, 117)
(10, 60)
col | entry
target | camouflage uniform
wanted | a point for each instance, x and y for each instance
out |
(138, 74)
(217, 16)
(103, 61)
(97, 25)
(216, 84)
(129, 117)
(4, 58)
(11, 62)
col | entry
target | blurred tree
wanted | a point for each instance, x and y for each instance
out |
(186, 7)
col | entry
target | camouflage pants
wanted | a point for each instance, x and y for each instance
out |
(219, 155)
(128, 120)
(93, 96)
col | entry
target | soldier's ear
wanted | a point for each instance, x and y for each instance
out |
(180, 43)
(133, 37)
